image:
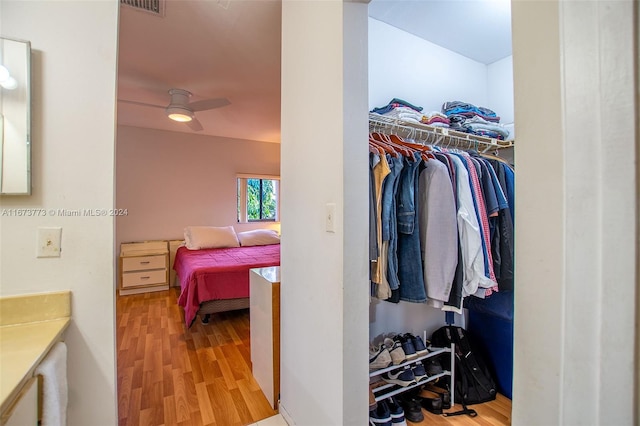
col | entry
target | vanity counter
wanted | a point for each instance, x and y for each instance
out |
(29, 326)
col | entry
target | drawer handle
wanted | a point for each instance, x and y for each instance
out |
(145, 262)
(145, 278)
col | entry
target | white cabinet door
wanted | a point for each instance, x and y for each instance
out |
(25, 410)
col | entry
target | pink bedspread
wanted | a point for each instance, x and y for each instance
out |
(214, 274)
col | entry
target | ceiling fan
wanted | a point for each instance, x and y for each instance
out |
(180, 109)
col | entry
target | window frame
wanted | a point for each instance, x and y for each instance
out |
(241, 197)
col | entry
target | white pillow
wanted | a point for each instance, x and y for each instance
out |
(201, 237)
(258, 237)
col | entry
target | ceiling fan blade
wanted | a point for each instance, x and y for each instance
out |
(126, 101)
(208, 104)
(194, 124)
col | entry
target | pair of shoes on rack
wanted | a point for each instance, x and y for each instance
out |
(395, 349)
(407, 376)
(417, 343)
(405, 347)
(387, 413)
(403, 377)
(379, 357)
(419, 371)
(433, 367)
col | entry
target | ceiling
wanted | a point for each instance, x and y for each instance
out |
(477, 29)
(231, 49)
(213, 49)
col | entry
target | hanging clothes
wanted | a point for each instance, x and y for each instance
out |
(380, 172)
(438, 231)
(444, 224)
(410, 272)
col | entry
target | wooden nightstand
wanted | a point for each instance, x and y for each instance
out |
(144, 267)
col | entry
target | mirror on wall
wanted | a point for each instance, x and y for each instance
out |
(15, 117)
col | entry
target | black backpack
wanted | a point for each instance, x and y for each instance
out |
(473, 381)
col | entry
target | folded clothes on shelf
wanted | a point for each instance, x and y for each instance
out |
(464, 108)
(405, 114)
(395, 103)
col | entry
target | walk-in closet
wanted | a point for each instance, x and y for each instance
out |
(573, 78)
(440, 92)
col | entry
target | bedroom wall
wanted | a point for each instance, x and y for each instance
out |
(73, 156)
(324, 275)
(169, 180)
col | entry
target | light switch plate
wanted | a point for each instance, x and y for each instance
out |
(331, 217)
(49, 242)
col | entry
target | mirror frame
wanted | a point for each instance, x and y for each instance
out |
(27, 111)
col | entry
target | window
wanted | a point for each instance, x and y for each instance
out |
(258, 198)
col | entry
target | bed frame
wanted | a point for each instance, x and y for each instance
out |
(215, 306)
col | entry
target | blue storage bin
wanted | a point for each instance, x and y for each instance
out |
(490, 324)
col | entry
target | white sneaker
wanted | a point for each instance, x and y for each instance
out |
(396, 351)
(403, 377)
(379, 357)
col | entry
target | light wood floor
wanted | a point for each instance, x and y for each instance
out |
(494, 413)
(168, 375)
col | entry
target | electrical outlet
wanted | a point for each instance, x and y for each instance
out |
(49, 241)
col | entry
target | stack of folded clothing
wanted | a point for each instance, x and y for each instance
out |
(402, 110)
(466, 117)
(469, 110)
(479, 126)
(436, 118)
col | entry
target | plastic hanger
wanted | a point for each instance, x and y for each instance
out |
(383, 146)
(423, 149)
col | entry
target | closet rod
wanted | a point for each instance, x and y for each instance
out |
(433, 135)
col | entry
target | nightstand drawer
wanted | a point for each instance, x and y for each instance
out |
(143, 263)
(132, 279)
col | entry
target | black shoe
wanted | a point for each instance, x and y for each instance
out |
(411, 407)
(443, 392)
(433, 367)
(430, 401)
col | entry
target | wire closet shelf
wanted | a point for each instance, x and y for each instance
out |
(432, 135)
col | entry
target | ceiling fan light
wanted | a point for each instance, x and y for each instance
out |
(180, 114)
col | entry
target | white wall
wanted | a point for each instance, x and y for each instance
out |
(169, 180)
(576, 215)
(500, 88)
(73, 75)
(324, 275)
(404, 66)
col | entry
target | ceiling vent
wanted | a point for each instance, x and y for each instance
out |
(152, 6)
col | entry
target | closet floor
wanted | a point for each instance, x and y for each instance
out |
(168, 375)
(493, 413)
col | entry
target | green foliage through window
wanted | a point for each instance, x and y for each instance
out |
(261, 199)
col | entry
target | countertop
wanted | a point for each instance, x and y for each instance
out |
(269, 273)
(23, 345)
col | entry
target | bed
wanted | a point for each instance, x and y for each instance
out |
(217, 279)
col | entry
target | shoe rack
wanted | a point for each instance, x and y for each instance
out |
(387, 390)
